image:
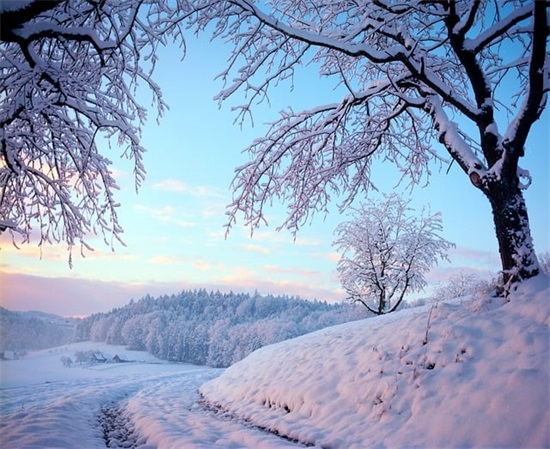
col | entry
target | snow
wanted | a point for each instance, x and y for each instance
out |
(490, 34)
(480, 380)
(45, 405)
(14, 5)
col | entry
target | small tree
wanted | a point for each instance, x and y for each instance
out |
(386, 251)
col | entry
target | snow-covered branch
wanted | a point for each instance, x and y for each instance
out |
(68, 75)
(442, 68)
(538, 86)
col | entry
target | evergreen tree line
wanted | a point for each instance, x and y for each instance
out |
(211, 328)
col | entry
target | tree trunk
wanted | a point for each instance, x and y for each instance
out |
(382, 303)
(517, 253)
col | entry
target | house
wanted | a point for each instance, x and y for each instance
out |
(8, 355)
(98, 357)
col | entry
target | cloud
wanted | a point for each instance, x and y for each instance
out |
(165, 214)
(45, 252)
(293, 271)
(165, 260)
(273, 237)
(63, 296)
(332, 255)
(73, 296)
(304, 290)
(255, 248)
(202, 265)
(474, 256)
(56, 253)
(214, 209)
(177, 186)
(307, 241)
(441, 275)
(307, 284)
(159, 213)
(171, 185)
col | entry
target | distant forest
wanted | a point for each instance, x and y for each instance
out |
(27, 331)
(211, 328)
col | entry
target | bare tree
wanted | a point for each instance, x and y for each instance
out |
(412, 74)
(386, 252)
(68, 74)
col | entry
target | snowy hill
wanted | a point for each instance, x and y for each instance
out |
(467, 373)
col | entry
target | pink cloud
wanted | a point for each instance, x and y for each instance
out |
(333, 256)
(63, 296)
(475, 258)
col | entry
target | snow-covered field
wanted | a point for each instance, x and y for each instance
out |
(147, 404)
(467, 373)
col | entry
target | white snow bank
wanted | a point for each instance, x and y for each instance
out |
(481, 380)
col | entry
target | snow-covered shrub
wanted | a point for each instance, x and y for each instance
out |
(463, 284)
(544, 261)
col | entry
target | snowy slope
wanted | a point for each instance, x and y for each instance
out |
(481, 380)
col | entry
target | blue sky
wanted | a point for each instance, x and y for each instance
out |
(174, 226)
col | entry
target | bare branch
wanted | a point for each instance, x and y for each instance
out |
(539, 76)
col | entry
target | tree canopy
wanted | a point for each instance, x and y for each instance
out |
(420, 81)
(68, 76)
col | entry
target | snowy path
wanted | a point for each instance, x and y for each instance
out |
(169, 414)
(141, 405)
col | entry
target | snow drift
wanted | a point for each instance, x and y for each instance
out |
(473, 372)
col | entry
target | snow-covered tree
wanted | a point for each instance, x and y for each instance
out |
(386, 252)
(420, 82)
(68, 75)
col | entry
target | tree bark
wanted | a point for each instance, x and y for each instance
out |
(517, 253)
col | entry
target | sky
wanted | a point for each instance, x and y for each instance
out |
(174, 226)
